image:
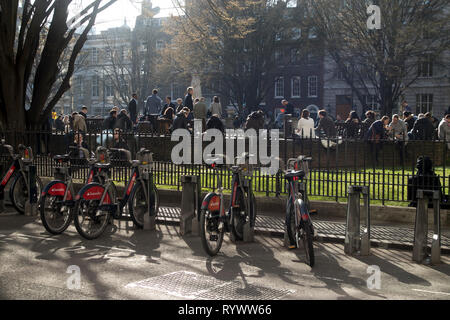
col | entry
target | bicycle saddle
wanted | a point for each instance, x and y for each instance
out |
(293, 174)
(62, 158)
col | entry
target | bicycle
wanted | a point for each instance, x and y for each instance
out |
(16, 173)
(213, 220)
(298, 221)
(57, 198)
(96, 203)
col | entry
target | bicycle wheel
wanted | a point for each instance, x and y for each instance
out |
(19, 192)
(291, 226)
(307, 239)
(89, 220)
(239, 217)
(210, 234)
(55, 215)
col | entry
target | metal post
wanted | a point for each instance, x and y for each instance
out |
(2, 193)
(249, 228)
(150, 218)
(190, 205)
(354, 240)
(31, 203)
(421, 227)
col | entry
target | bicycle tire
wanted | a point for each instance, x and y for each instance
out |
(48, 226)
(291, 227)
(307, 238)
(237, 218)
(18, 193)
(93, 204)
(203, 222)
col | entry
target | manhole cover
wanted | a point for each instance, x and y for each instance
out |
(182, 284)
(190, 285)
(236, 290)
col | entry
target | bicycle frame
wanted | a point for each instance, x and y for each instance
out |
(16, 166)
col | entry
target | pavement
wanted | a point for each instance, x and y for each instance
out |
(400, 236)
(126, 263)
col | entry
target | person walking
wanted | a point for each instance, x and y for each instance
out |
(216, 107)
(133, 107)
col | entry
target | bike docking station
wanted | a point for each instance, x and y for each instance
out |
(420, 245)
(2, 194)
(190, 205)
(150, 218)
(31, 205)
(355, 242)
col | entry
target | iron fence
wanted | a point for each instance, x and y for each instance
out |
(336, 164)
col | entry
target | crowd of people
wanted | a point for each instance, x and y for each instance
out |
(399, 128)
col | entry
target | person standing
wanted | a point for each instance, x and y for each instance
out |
(288, 107)
(200, 111)
(83, 112)
(376, 134)
(188, 100)
(216, 107)
(444, 130)
(153, 104)
(132, 108)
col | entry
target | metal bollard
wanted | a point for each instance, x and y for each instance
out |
(31, 203)
(190, 205)
(2, 193)
(421, 227)
(150, 218)
(354, 240)
(249, 229)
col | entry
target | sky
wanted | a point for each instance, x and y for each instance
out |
(114, 16)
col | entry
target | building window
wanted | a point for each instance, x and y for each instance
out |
(424, 103)
(278, 56)
(109, 91)
(312, 87)
(80, 87)
(296, 33)
(95, 86)
(278, 36)
(279, 87)
(295, 87)
(371, 102)
(295, 56)
(312, 33)
(425, 67)
(94, 56)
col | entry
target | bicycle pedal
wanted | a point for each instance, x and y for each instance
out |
(292, 247)
(313, 212)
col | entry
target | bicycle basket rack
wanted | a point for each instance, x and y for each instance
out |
(299, 164)
(27, 155)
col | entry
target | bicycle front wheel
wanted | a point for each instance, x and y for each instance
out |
(89, 219)
(55, 215)
(19, 192)
(211, 232)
